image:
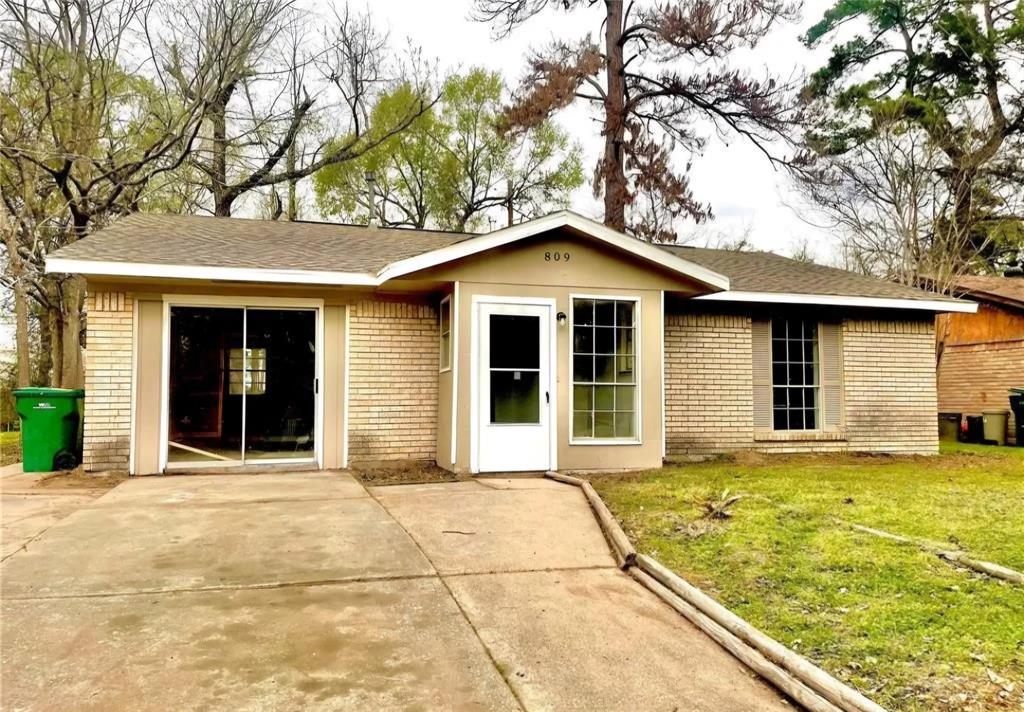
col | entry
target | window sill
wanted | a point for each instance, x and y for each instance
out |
(604, 441)
(789, 436)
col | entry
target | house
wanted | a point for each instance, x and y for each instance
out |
(981, 355)
(554, 344)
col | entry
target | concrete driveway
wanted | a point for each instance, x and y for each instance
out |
(306, 591)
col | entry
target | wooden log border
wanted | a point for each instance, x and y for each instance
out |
(797, 677)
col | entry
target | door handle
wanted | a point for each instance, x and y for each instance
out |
(547, 397)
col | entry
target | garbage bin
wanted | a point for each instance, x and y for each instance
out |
(50, 423)
(1017, 406)
(995, 426)
(949, 426)
(974, 429)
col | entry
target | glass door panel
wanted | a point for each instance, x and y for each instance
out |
(279, 379)
(514, 369)
(204, 409)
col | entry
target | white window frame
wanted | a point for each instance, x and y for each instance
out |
(444, 355)
(215, 301)
(637, 368)
(817, 375)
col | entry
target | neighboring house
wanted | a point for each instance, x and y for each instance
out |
(981, 355)
(554, 344)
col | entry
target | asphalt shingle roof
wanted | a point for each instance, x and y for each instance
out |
(266, 244)
(1004, 289)
(236, 242)
(768, 272)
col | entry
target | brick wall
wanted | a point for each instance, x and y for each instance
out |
(709, 391)
(888, 384)
(108, 381)
(393, 381)
(977, 377)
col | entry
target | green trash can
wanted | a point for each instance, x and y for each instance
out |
(51, 420)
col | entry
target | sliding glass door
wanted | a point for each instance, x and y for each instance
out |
(241, 386)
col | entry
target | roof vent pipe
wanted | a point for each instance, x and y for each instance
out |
(371, 198)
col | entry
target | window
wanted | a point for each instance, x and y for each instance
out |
(604, 369)
(247, 366)
(445, 329)
(795, 375)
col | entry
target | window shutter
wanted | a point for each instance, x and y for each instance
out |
(831, 367)
(761, 333)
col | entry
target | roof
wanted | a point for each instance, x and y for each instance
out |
(992, 288)
(194, 247)
(145, 238)
(764, 273)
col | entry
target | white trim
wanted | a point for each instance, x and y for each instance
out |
(440, 311)
(465, 248)
(474, 432)
(345, 382)
(227, 302)
(184, 271)
(935, 305)
(133, 423)
(664, 435)
(564, 218)
(454, 326)
(638, 367)
(165, 381)
(171, 466)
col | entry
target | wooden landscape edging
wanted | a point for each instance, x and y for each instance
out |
(797, 677)
(951, 555)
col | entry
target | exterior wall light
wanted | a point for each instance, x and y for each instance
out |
(561, 318)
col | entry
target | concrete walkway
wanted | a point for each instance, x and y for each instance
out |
(307, 591)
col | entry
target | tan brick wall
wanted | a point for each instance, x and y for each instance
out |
(709, 392)
(977, 377)
(393, 381)
(888, 378)
(108, 381)
(889, 382)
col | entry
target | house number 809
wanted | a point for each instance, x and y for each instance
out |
(556, 256)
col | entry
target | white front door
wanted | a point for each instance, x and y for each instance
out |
(515, 387)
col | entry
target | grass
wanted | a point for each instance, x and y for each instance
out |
(10, 447)
(909, 629)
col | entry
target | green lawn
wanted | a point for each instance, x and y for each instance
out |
(901, 624)
(10, 448)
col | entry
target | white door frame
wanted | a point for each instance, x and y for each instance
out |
(475, 372)
(214, 301)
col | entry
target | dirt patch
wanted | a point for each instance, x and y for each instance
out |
(403, 473)
(77, 479)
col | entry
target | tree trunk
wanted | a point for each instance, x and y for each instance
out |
(41, 362)
(222, 199)
(292, 210)
(56, 325)
(72, 375)
(510, 205)
(23, 353)
(613, 171)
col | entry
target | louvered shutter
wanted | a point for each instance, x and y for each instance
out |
(761, 332)
(830, 344)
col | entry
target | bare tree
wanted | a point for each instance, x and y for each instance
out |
(84, 130)
(659, 71)
(897, 215)
(269, 79)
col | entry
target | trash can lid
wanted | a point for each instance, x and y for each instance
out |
(1017, 391)
(43, 392)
